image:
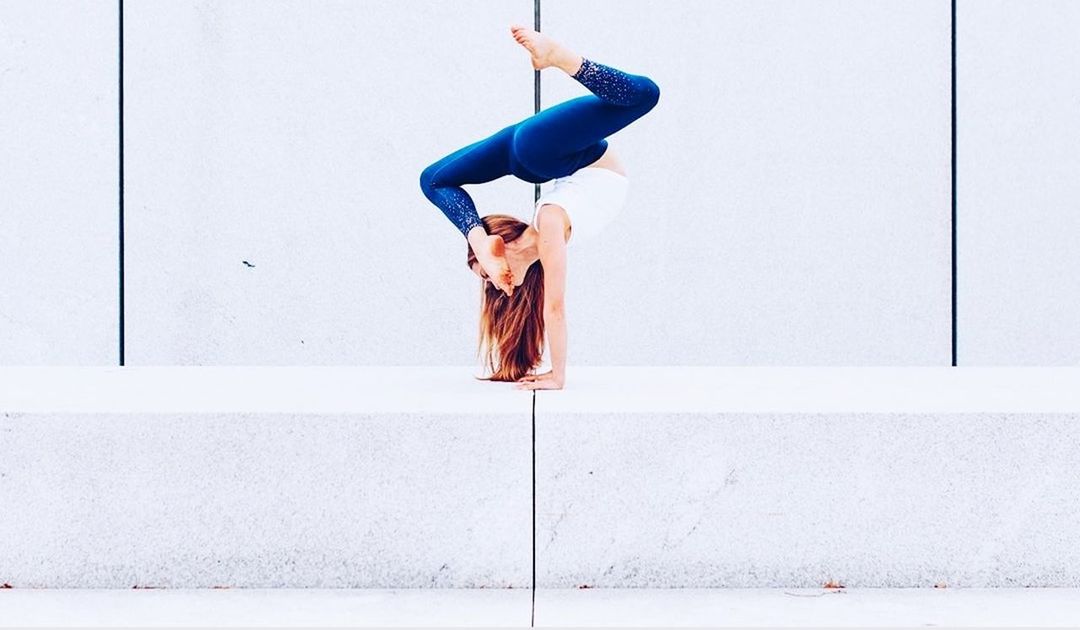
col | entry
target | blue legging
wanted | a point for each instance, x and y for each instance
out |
(551, 143)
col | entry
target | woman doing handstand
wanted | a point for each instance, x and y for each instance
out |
(522, 302)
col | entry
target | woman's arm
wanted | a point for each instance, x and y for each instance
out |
(555, 326)
(551, 224)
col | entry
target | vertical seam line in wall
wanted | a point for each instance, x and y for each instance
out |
(952, 38)
(532, 614)
(536, 197)
(120, 182)
(536, 85)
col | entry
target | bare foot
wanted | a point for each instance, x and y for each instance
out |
(491, 255)
(545, 52)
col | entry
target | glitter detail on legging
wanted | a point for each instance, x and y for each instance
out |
(608, 83)
(454, 202)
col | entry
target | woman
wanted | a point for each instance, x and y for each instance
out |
(567, 143)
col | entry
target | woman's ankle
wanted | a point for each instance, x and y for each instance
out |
(570, 62)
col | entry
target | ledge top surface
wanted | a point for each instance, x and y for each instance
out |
(593, 389)
(298, 389)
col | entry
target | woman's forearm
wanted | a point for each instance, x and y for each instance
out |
(555, 326)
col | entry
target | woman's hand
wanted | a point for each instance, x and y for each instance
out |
(547, 380)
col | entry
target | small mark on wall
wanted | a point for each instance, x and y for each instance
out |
(247, 263)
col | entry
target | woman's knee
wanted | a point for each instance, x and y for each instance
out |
(650, 92)
(427, 177)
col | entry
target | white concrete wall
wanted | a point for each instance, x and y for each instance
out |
(291, 135)
(58, 182)
(791, 193)
(1018, 189)
(790, 205)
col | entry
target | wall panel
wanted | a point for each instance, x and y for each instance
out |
(58, 183)
(275, 149)
(790, 193)
(1018, 189)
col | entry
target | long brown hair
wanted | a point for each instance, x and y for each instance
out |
(511, 327)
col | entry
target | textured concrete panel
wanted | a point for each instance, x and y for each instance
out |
(765, 479)
(790, 193)
(358, 480)
(274, 154)
(1018, 182)
(59, 202)
(265, 500)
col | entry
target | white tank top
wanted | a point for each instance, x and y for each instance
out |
(592, 196)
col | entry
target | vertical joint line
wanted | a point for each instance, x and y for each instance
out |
(536, 196)
(952, 37)
(120, 181)
(536, 85)
(532, 616)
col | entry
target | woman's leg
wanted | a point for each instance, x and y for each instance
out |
(479, 162)
(548, 141)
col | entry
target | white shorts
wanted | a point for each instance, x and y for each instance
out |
(592, 196)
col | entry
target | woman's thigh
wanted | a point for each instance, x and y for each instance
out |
(569, 127)
(476, 163)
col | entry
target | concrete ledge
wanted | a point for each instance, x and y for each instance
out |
(814, 389)
(768, 477)
(645, 477)
(275, 477)
(277, 389)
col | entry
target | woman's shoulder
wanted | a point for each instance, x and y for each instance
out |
(552, 215)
